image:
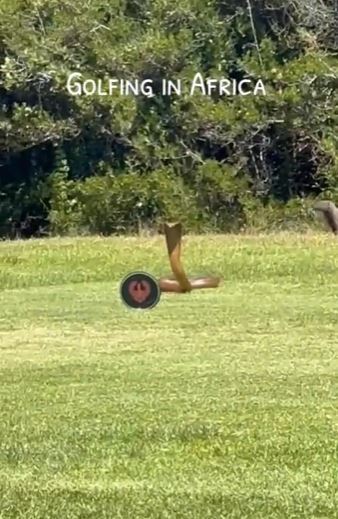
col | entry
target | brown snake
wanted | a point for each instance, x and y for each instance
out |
(181, 283)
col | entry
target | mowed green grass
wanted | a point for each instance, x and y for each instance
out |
(215, 404)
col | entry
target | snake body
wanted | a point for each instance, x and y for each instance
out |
(181, 283)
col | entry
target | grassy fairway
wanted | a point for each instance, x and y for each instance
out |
(217, 404)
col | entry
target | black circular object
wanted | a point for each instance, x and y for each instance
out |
(140, 290)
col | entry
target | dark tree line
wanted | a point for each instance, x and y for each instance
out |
(119, 163)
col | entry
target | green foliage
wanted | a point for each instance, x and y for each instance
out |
(120, 203)
(268, 148)
(63, 213)
(221, 194)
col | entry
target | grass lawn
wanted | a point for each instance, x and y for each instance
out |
(216, 404)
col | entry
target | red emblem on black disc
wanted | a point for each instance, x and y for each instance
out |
(140, 290)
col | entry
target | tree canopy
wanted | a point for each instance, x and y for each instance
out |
(113, 163)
